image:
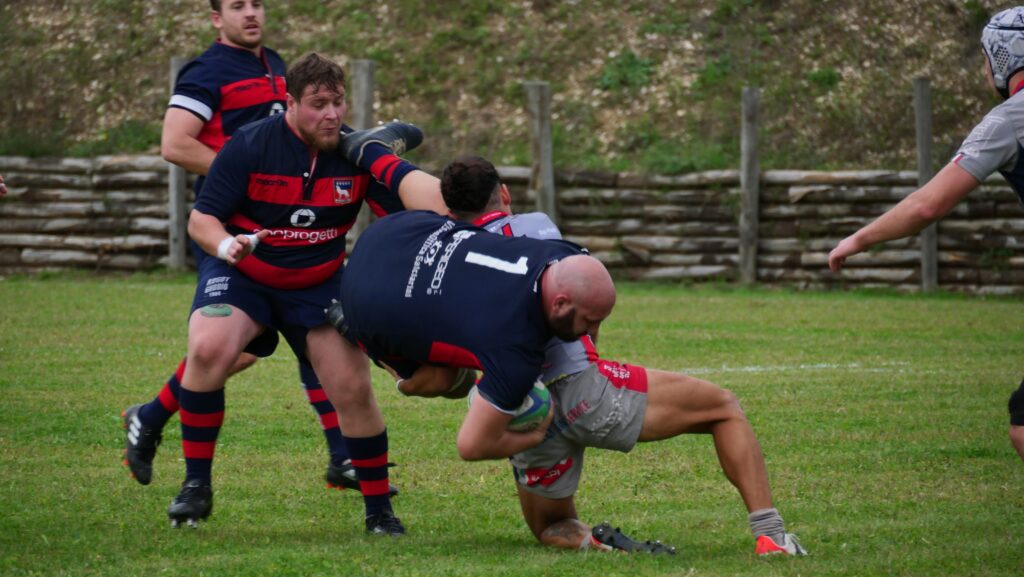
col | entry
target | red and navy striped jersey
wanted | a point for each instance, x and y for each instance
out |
(425, 288)
(230, 87)
(265, 177)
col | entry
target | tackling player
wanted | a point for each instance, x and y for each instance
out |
(235, 81)
(450, 294)
(275, 208)
(995, 144)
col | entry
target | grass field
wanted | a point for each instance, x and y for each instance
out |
(882, 417)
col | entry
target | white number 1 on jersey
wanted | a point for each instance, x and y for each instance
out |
(496, 263)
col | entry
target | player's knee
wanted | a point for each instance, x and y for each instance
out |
(731, 404)
(207, 350)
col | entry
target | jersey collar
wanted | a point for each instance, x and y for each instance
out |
(489, 217)
(1017, 88)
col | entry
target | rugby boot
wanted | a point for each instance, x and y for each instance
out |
(614, 538)
(790, 545)
(343, 476)
(398, 137)
(193, 504)
(140, 445)
(384, 523)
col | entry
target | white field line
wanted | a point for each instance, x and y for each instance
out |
(890, 367)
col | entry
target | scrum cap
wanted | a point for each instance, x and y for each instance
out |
(1003, 43)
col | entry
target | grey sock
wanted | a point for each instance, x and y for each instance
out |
(767, 522)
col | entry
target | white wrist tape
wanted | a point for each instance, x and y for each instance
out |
(222, 248)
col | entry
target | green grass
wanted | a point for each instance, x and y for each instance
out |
(882, 417)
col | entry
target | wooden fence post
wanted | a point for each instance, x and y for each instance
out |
(177, 215)
(542, 175)
(750, 181)
(362, 118)
(929, 236)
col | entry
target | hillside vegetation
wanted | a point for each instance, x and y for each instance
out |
(640, 86)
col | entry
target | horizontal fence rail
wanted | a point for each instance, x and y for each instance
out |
(111, 214)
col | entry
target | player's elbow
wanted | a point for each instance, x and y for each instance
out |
(470, 450)
(929, 212)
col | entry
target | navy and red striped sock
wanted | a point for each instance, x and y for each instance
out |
(157, 412)
(385, 166)
(202, 415)
(370, 459)
(325, 411)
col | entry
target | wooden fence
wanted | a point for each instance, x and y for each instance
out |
(111, 213)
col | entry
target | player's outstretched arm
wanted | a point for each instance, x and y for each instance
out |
(923, 207)
(483, 434)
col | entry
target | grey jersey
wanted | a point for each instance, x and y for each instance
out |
(995, 144)
(560, 358)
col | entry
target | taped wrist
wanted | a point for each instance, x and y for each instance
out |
(222, 248)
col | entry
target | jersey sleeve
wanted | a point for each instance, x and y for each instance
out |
(508, 377)
(196, 91)
(382, 200)
(991, 146)
(227, 183)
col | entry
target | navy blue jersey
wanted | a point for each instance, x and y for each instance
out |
(425, 288)
(227, 88)
(230, 87)
(265, 177)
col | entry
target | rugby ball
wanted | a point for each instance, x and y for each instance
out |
(531, 413)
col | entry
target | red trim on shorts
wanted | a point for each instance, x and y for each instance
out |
(622, 375)
(545, 476)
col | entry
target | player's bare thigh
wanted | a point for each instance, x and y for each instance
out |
(677, 404)
(217, 334)
(344, 372)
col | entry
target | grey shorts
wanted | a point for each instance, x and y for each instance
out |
(602, 406)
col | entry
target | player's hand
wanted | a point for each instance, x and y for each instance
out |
(242, 246)
(542, 429)
(3, 187)
(848, 247)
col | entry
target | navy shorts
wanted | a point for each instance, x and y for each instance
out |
(292, 313)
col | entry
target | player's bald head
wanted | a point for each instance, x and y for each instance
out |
(578, 293)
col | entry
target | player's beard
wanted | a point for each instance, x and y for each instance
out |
(322, 141)
(562, 326)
